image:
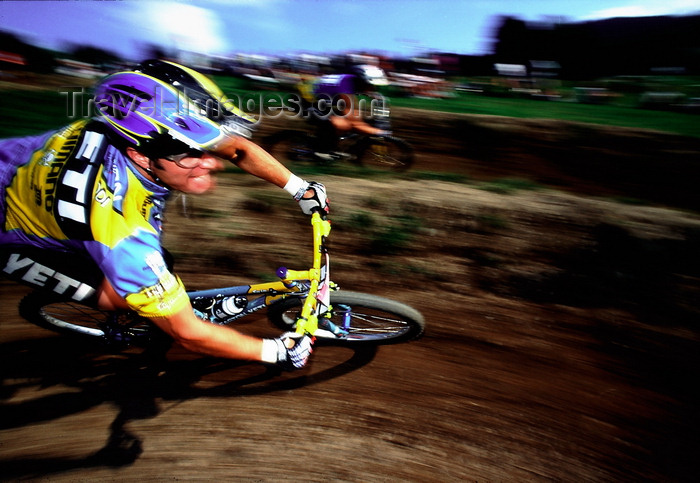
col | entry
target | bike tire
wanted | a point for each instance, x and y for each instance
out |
(290, 146)
(74, 319)
(387, 153)
(374, 319)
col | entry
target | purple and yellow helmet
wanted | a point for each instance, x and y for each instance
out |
(167, 105)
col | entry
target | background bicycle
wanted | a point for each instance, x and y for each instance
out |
(377, 152)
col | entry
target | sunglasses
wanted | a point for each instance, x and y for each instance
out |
(190, 159)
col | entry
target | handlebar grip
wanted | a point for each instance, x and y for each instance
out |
(322, 213)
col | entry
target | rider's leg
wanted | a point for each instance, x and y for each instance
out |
(327, 136)
(341, 124)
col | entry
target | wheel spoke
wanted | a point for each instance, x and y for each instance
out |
(371, 318)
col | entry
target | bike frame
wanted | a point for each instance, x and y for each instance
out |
(299, 301)
(313, 285)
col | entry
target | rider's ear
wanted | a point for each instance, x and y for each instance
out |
(138, 158)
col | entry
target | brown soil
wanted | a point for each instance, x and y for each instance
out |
(561, 344)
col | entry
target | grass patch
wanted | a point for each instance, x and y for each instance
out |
(264, 201)
(361, 221)
(627, 200)
(394, 237)
(435, 176)
(494, 222)
(390, 240)
(624, 114)
(33, 111)
(373, 203)
(508, 186)
(388, 237)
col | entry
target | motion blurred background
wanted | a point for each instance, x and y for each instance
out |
(641, 60)
(548, 231)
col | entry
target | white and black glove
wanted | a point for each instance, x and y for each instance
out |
(290, 351)
(317, 201)
(298, 188)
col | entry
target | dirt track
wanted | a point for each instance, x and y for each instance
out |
(562, 344)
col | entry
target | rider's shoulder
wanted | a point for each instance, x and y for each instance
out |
(335, 77)
(335, 84)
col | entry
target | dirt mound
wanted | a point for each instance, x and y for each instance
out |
(581, 158)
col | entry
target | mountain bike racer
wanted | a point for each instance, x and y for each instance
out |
(81, 208)
(337, 110)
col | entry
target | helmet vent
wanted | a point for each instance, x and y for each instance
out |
(139, 94)
(181, 123)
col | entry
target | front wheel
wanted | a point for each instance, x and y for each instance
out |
(361, 318)
(387, 153)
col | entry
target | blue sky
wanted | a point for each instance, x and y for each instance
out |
(402, 27)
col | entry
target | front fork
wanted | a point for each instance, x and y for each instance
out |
(324, 321)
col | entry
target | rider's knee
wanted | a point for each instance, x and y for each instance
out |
(341, 124)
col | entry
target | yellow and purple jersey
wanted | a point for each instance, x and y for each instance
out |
(73, 191)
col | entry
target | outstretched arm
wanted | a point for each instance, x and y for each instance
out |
(253, 159)
(197, 335)
(205, 338)
(290, 351)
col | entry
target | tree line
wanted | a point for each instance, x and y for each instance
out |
(584, 50)
(616, 46)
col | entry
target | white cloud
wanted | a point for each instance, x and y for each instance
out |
(184, 26)
(647, 9)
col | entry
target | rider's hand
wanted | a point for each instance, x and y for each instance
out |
(293, 350)
(314, 199)
(310, 194)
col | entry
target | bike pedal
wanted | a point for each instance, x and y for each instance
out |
(334, 156)
(325, 156)
(343, 156)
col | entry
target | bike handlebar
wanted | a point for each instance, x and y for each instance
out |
(307, 323)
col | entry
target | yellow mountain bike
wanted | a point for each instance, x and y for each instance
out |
(305, 301)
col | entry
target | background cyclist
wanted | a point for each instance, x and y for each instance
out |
(81, 208)
(336, 108)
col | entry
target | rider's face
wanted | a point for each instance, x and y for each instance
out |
(195, 180)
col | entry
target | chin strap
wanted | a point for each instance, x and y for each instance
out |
(155, 177)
